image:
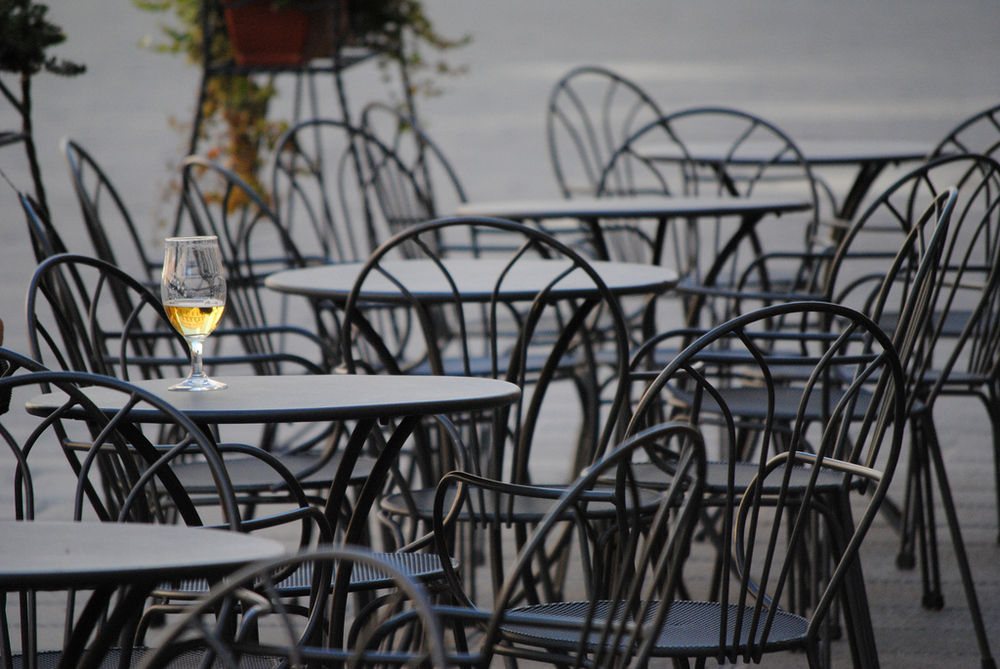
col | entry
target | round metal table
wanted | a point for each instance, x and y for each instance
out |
(104, 557)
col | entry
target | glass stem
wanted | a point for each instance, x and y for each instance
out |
(196, 367)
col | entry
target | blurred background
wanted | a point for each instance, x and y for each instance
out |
(896, 69)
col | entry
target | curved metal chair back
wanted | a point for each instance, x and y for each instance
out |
(45, 239)
(121, 473)
(108, 220)
(980, 133)
(408, 174)
(254, 243)
(319, 190)
(546, 343)
(142, 465)
(591, 112)
(253, 622)
(719, 152)
(786, 443)
(631, 558)
(87, 315)
(877, 233)
(531, 342)
(84, 314)
(855, 265)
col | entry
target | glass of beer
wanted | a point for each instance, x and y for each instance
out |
(193, 290)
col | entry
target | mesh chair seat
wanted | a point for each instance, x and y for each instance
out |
(421, 567)
(691, 628)
(252, 475)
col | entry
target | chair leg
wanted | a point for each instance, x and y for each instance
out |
(918, 533)
(929, 434)
(854, 596)
(992, 401)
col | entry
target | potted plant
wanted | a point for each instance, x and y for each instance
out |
(25, 36)
(263, 32)
(235, 105)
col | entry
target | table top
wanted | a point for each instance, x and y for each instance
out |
(475, 278)
(647, 206)
(321, 397)
(56, 555)
(815, 151)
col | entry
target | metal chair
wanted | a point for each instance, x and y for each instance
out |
(980, 133)
(628, 568)
(961, 347)
(254, 243)
(45, 239)
(319, 192)
(958, 300)
(515, 341)
(107, 218)
(88, 315)
(409, 176)
(708, 151)
(247, 620)
(145, 485)
(591, 112)
(84, 314)
(788, 457)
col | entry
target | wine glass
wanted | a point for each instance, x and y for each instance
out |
(193, 290)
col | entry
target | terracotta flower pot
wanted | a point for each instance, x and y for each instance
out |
(263, 35)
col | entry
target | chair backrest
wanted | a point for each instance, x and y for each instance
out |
(120, 472)
(254, 243)
(966, 279)
(845, 418)
(591, 112)
(856, 265)
(980, 133)
(108, 220)
(630, 556)
(876, 235)
(86, 315)
(45, 239)
(719, 152)
(532, 341)
(408, 175)
(402, 629)
(319, 190)
(141, 465)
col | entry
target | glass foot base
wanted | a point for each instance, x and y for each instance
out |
(198, 384)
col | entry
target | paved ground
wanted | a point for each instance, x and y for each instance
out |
(897, 69)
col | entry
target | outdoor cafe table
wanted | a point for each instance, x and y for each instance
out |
(869, 157)
(474, 278)
(366, 399)
(103, 557)
(592, 210)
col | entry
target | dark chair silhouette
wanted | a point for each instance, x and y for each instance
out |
(590, 113)
(110, 225)
(319, 193)
(255, 243)
(790, 456)
(629, 559)
(253, 622)
(110, 451)
(87, 315)
(491, 336)
(980, 133)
